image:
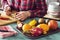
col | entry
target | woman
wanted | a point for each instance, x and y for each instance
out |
(25, 8)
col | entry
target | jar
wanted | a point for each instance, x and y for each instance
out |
(54, 9)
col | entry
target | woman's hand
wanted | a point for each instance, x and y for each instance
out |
(7, 9)
(22, 15)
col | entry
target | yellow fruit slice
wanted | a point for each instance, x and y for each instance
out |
(26, 27)
(33, 22)
(33, 26)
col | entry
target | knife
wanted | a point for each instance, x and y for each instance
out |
(4, 31)
(3, 18)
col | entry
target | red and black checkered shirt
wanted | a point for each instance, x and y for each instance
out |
(36, 7)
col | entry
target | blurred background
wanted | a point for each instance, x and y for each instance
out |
(48, 1)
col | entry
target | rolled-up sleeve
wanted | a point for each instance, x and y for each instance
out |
(40, 10)
(4, 3)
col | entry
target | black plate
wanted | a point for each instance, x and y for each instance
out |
(34, 37)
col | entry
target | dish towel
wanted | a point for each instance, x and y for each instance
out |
(7, 31)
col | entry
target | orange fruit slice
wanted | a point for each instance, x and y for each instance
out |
(44, 27)
(26, 27)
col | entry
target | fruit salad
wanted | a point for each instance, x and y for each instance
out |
(39, 27)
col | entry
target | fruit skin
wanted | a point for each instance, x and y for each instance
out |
(53, 24)
(44, 27)
(33, 22)
(19, 25)
(36, 31)
(46, 21)
(26, 27)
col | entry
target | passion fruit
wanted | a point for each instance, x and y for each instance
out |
(41, 20)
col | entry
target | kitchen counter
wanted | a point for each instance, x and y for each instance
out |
(20, 36)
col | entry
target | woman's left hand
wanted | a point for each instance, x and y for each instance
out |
(22, 15)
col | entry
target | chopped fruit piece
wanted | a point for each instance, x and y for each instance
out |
(36, 31)
(44, 32)
(44, 27)
(33, 26)
(26, 27)
(20, 26)
(33, 22)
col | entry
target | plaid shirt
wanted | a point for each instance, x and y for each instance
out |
(36, 7)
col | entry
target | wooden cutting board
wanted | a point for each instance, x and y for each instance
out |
(51, 17)
(4, 22)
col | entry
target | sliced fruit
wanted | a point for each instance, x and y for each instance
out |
(36, 31)
(33, 22)
(44, 27)
(33, 26)
(44, 32)
(26, 27)
(19, 25)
